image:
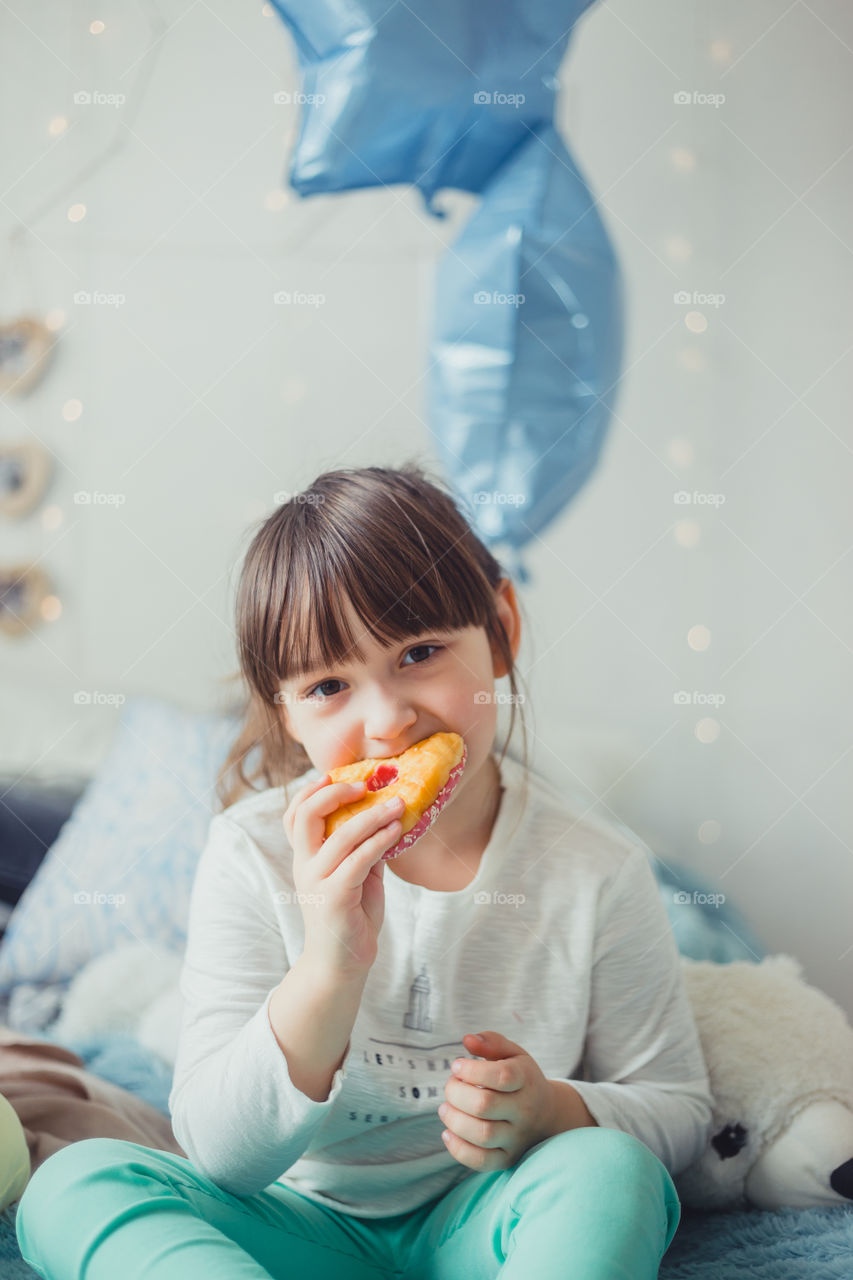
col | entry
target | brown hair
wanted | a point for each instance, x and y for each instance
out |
(391, 540)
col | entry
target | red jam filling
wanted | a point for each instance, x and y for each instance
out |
(385, 774)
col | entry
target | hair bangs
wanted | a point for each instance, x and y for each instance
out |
(398, 586)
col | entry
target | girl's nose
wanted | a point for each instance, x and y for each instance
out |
(386, 719)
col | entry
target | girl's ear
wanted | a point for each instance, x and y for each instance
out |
(507, 607)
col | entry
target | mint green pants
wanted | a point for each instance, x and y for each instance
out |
(589, 1204)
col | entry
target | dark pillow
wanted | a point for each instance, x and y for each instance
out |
(31, 816)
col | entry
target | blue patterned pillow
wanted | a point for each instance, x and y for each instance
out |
(123, 864)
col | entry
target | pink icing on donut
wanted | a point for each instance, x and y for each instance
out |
(429, 816)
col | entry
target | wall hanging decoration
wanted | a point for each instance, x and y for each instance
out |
(25, 470)
(23, 588)
(527, 334)
(25, 348)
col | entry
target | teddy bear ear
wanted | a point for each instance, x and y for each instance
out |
(784, 965)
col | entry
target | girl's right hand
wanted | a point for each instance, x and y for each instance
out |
(339, 880)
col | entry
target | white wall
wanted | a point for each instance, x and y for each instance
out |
(201, 399)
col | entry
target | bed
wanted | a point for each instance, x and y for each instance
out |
(146, 812)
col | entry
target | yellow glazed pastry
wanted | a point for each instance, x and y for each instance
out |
(424, 776)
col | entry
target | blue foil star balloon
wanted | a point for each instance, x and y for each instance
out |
(527, 334)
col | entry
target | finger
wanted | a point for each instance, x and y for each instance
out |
(482, 1104)
(310, 818)
(503, 1076)
(364, 853)
(472, 1154)
(477, 1130)
(338, 793)
(301, 795)
(360, 825)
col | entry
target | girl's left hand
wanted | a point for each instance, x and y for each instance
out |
(491, 1127)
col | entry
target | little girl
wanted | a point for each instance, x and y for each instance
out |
(474, 1060)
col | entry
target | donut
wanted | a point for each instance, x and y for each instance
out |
(424, 777)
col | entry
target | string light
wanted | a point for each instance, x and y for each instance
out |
(679, 249)
(54, 319)
(71, 410)
(52, 518)
(683, 159)
(96, 27)
(276, 200)
(696, 322)
(77, 213)
(687, 533)
(707, 730)
(680, 451)
(721, 52)
(699, 638)
(709, 831)
(57, 126)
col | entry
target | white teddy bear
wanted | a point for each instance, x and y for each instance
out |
(779, 1055)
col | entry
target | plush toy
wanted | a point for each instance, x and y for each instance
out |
(779, 1055)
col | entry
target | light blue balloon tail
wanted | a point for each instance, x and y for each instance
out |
(527, 344)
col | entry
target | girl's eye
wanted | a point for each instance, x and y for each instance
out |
(326, 697)
(424, 646)
(321, 685)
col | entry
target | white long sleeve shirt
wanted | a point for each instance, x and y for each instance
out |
(561, 943)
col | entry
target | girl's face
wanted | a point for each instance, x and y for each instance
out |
(435, 682)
